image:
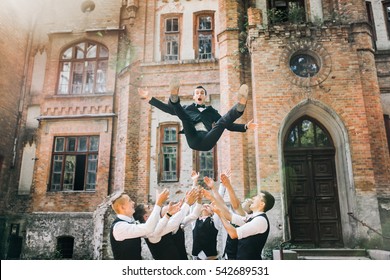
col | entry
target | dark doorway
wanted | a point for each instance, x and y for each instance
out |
(15, 243)
(65, 247)
(312, 195)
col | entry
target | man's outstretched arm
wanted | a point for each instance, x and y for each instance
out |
(226, 224)
(144, 94)
(234, 201)
(242, 127)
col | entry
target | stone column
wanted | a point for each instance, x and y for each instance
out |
(232, 145)
(316, 12)
(376, 129)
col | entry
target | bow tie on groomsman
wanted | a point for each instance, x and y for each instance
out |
(200, 106)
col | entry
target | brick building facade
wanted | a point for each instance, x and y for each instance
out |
(75, 132)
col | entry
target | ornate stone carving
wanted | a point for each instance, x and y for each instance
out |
(131, 9)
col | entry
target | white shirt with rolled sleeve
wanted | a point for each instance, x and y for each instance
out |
(255, 226)
(125, 230)
(166, 225)
(195, 212)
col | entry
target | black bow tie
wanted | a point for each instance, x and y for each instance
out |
(200, 106)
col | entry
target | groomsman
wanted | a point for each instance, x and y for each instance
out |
(252, 231)
(125, 233)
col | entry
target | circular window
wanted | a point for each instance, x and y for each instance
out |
(304, 65)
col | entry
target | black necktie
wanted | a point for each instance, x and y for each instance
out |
(200, 106)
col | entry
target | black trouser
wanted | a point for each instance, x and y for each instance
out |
(204, 140)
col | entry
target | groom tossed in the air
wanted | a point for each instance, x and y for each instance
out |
(202, 125)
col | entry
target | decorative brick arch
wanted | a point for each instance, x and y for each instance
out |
(343, 160)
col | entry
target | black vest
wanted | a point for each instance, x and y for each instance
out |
(204, 238)
(128, 249)
(180, 242)
(231, 247)
(165, 249)
(250, 248)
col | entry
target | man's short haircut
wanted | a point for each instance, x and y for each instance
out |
(205, 91)
(269, 200)
(118, 201)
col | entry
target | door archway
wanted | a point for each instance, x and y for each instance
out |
(311, 185)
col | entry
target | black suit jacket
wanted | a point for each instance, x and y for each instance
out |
(208, 116)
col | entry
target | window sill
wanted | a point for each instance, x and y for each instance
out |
(71, 192)
(178, 62)
(59, 95)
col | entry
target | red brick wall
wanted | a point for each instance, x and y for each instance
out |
(49, 201)
(237, 148)
(56, 29)
(344, 10)
(12, 52)
(350, 90)
(53, 105)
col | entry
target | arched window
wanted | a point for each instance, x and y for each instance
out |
(306, 133)
(83, 69)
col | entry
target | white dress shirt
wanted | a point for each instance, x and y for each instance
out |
(255, 226)
(124, 230)
(195, 212)
(166, 225)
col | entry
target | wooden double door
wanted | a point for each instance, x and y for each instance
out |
(312, 194)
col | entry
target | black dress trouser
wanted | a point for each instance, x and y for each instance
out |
(204, 140)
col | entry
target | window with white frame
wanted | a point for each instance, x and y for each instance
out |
(204, 35)
(83, 69)
(169, 152)
(171, 37)
(74, 163)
